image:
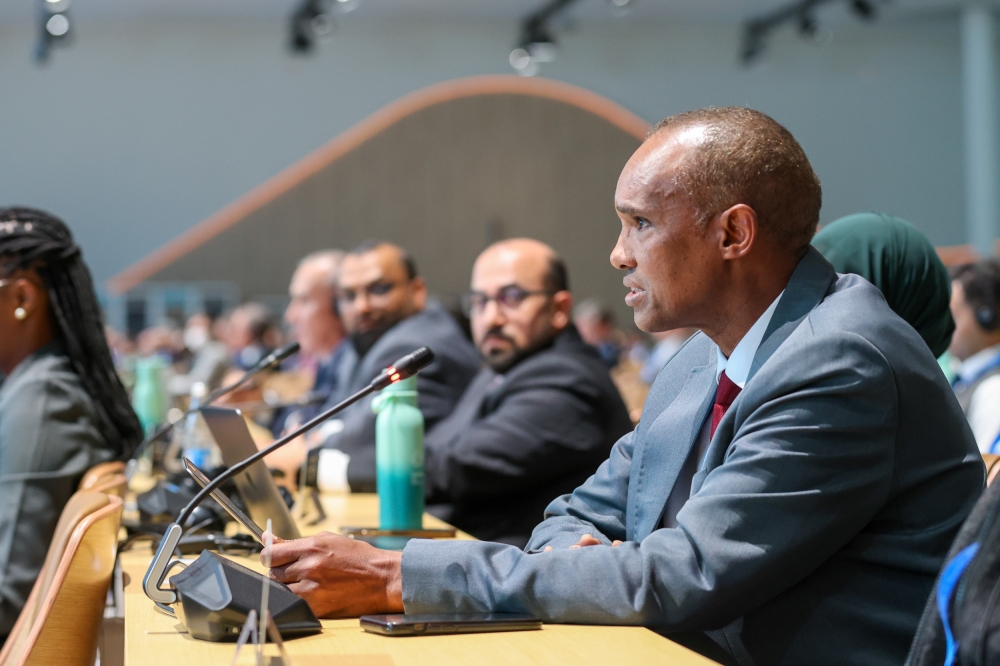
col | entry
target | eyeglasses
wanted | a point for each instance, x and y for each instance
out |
(375, 290)
(507, 299)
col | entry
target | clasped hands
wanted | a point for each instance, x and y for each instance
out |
(342, 577)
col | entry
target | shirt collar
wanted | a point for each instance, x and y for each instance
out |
(976, 364)
(737, 366)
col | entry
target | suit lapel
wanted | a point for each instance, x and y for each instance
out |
(664, 447)
(806, 288)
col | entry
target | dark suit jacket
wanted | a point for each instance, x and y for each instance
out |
(818, 517)
(439, 386)
(517, 441)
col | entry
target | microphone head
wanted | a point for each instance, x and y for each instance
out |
(281, 353)
(404, 368)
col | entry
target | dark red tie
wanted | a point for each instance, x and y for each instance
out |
(724, 397)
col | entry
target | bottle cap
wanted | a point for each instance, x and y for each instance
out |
(404, 391)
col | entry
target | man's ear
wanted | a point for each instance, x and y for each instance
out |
(562, 303)
(739, 228)
(419, 290)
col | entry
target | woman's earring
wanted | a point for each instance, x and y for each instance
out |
(20, 314)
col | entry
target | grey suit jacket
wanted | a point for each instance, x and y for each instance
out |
(818, 518)
(48, 439)
(439, 385)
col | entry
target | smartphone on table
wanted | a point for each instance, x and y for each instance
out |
(442, 623)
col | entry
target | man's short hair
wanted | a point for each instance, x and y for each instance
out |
(556, 278)
(366, 246)
(332, 258)
(258, 318)
(749, 158)
(981, 287)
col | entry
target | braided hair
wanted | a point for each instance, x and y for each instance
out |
(33, 239)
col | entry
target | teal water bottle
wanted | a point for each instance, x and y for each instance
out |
(149, 398)
(399, 456)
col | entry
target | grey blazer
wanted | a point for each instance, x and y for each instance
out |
(439, 386)
(818, 519)
(48, 439)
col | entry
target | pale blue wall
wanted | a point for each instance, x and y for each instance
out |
(139, 130)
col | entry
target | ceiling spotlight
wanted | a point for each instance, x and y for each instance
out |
(57, 25)
(312, 21)
(345, 6)
(536, 43)
(53, 26)
(807, 25)
(753, 44)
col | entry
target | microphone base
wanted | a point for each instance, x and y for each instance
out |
(215, 596)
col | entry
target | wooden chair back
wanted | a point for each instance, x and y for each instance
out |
(100, 473)
(116, 485)
(992, 467)
(61, 621)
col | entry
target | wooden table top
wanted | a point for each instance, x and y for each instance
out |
(152, 638)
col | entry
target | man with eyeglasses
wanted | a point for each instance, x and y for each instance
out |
(538, 419)
(385, 309)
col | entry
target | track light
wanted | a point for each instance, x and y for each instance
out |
(315, 20)
(53, 27)
(807, 25)
(536, 43)
(863, 9)
(803, 14)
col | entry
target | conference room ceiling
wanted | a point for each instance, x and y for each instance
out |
(700, 10)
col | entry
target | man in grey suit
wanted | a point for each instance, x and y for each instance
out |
(801, 465)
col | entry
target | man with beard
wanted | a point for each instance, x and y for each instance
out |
(539, 419)
(384, 306)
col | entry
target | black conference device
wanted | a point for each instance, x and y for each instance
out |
(442, 623)
(216, 595)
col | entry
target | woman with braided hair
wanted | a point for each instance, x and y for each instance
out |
(62, 407)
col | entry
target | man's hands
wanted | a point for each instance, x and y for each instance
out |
(338, 576)
(587, 540)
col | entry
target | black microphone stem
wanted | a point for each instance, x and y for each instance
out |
(276, 356)
(244, 464)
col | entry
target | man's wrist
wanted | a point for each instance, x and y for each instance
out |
(390, 565)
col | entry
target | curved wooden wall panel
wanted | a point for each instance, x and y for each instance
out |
(442, 172)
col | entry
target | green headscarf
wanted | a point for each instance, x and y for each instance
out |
(899, 260)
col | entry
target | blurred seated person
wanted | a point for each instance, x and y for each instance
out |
(894, 256)
(667, 344)
(62, 407)
(209, 357)
(596, 324)
(313, 321)
(538, 419)
(387, 314)
(246, 332)
(975, 299)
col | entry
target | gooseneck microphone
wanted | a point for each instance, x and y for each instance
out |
(404, 368)
(277, 356)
